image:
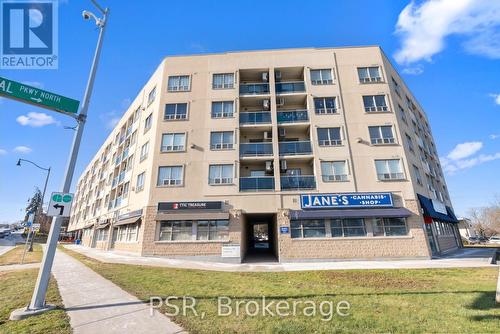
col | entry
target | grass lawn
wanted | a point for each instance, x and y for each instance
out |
(15, 255)
(16, 290)
(388, 301)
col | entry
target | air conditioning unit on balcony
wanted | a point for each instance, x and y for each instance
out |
(281, 132)
(266, 104)
(283, 166)
(265, 76)
(280, 102)
(269, 167)
(277, 75)
(268, 135)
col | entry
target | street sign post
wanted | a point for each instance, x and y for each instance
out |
(38, 97)
(60, 204)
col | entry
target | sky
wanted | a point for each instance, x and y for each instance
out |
(447, 51)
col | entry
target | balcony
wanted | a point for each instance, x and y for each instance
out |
(253, 118)
(295, 148)
(125, 154)
(118, 159)
(290, 87)
(115, 182)
(257, 183)
(121, 177)
(298, 182)
(292, 116)
(254, 89)
(256, 149)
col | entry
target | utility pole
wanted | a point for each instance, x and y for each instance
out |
(37, 304)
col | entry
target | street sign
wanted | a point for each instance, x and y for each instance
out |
(36, 226)
(38, 97)
(60, 204)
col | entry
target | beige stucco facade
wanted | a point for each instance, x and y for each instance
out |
(276, 152)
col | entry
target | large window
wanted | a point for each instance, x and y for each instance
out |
(322, 77)
(348, 227)
(173, 142)
(418, 176)
(170, 176)
(223, 109)
(374, 103)
(223, 81)
(390, 169)
(332, 171)
(409, 142)
(220, 174)
(175, 111)
(102, 234)
(389, 227)
(178, 83)
(139, 185)
(381, 135)
(176, 230)
(148, 122)
(127, 233)
(151, 96)
(329, 137)
(144, 151)
(221, 140)
(369, 74)
(325, 105)
(212, 229)
(308, 228)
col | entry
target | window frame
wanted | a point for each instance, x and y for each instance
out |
(222, 114)
(175, 183)
(334, 177)
(376, 108)
(223, 86)
(140, 187)
(330, 142)
(321, 81)
(180, 148)
(325, 110)
(152, 93)
(388, 223)
(176, 116)
(222, 146)
(371, 79)
(142, 156)
(220, 180)
(400, 176)
(178, 87)
(381, 140)
(148, 122)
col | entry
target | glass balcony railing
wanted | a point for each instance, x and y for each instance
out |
(115, 182)
(257, 183)
(290, 87)
(125, 153)
(295, 147)
(254, 89)
(118, 159)
(297, 182)
(292, 116)
(256, 149)
(121, 177)
(257, 117)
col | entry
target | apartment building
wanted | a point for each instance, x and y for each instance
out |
(287, 155)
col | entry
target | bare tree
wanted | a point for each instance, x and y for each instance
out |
(486, 220)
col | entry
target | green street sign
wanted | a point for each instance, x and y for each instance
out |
(38, 97)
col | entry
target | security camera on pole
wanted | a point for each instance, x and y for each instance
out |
(37, 304)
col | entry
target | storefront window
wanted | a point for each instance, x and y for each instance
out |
(175, 230)
(308, 229)
(349, 227)
(389, 227)
(212, 229)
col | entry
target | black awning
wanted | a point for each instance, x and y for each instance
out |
(127, 221)
(350, 213)
(428, 208)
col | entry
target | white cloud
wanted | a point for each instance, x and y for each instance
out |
(22, 149)
(112, 118)
(496, 98)
(414, 70)
(424, 26)
(3, 152)
(494, 136)
(36, 119)
(464, 150)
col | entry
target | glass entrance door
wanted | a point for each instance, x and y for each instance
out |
(261, 236)
(432, 241)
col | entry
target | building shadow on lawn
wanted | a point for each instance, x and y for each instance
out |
(485, 302)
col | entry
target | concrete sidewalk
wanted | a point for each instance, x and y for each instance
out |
(466, 258)
(5, 249)
(95, 305)
(11, 267)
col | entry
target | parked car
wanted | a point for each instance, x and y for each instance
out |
(494, 240)
(473, 240)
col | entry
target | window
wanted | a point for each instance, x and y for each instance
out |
(369, 74)
(178, 83)
(348, 227)
(381, 135)
(308, 229)
(175, 111)
(125, 189)
(325, 105)
(223, 81)
(148, 122)
(221, 140)
(402, 113)
(389, 227)
(144, 151)
(139, 185)
(396, 86)
(173, 142)
(127, 233)
(417, 175)
(176, 230)
(389, 169)
(212, 229)
(170, 176)
(151, 96)
(220, 174)
(332, 171)
(321, 77)
(102, 234)
(374, 103)
(409, 142)
(222, 109)
(329, 137)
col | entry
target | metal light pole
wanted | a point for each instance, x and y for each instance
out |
(30, 249)
(37, 304)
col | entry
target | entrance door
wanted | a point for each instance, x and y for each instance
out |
(261, 243)
(260, 238)
(432, 241)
